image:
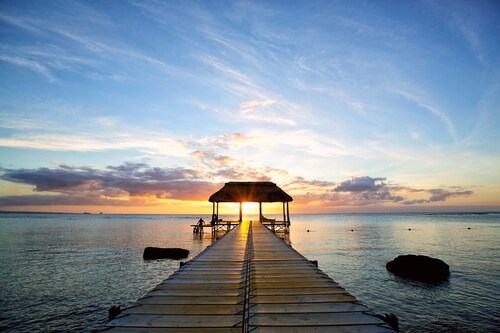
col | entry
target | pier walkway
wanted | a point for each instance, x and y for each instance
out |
(248, 281)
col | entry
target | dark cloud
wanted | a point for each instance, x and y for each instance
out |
(79, 185)
(361, 184)
(364, 191)
(438, 195)
(442, 195)
(61, 200)
(139, 183)
(384, 195)
(45, 179)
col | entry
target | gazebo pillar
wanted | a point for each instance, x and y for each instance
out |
(217, 212)
(284, 217)
(287, 213)
(241, 211)
(213, 211)
(260, 211)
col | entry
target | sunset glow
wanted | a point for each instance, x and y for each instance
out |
(150, 107)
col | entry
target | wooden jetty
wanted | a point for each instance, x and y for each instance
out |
(248, 281)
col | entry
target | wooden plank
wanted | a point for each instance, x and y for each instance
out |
(308, 308)
(146, 320)
(122, 329)
(181, 309)
(298, 291)
(192, 300)
(302, 298)
(314, 319)
(195, 292)
(208, 275)
(293, 283)
(323, 329)
(196, 279)
(200, 285)
(300, 278)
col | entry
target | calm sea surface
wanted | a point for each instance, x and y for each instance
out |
(61, 272)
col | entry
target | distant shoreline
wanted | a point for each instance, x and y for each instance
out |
(196, 214)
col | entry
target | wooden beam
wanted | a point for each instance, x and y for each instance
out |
(241, 211)
(284, 217)
(287, 213)
(260, 211)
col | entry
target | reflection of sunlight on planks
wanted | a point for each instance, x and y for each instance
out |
(249, 280)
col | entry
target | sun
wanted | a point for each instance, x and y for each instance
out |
(250, 208)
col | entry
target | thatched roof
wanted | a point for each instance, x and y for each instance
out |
(250, 192)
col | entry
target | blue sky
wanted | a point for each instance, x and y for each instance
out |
(348, 105)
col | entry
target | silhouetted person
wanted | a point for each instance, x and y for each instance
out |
(199, 227)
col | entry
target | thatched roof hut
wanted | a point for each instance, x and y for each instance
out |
(250, 192)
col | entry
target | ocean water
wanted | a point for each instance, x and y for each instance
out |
(61, 272)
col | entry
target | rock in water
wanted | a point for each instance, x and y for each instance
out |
(114, 311)
(420, 268)
(161, 253)
(391, 319)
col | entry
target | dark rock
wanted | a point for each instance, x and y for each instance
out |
(160, 253)
(391, 319)
(420, 268)
(114, 311)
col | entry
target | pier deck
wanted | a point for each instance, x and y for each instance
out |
(248, 281)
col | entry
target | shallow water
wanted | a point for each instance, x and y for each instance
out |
(62, 272)
(468, 302)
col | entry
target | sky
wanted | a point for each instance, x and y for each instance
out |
(151, 106)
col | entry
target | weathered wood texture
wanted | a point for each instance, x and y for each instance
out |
(248, 281)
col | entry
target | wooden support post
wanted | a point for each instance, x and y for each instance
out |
(284, 217)
(212, 223)
(217, 213)
(241, 211)
(287, 214)
(260, 211)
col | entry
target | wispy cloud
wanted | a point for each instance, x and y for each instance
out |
(161, 144)
(93, 51)
(32, 65)
(21, 22)
(107, 121)
(258, 103)
(304, 141)
(430, 107)
(21, 122)
(468, 22)
(270, 111)
(231, 79)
